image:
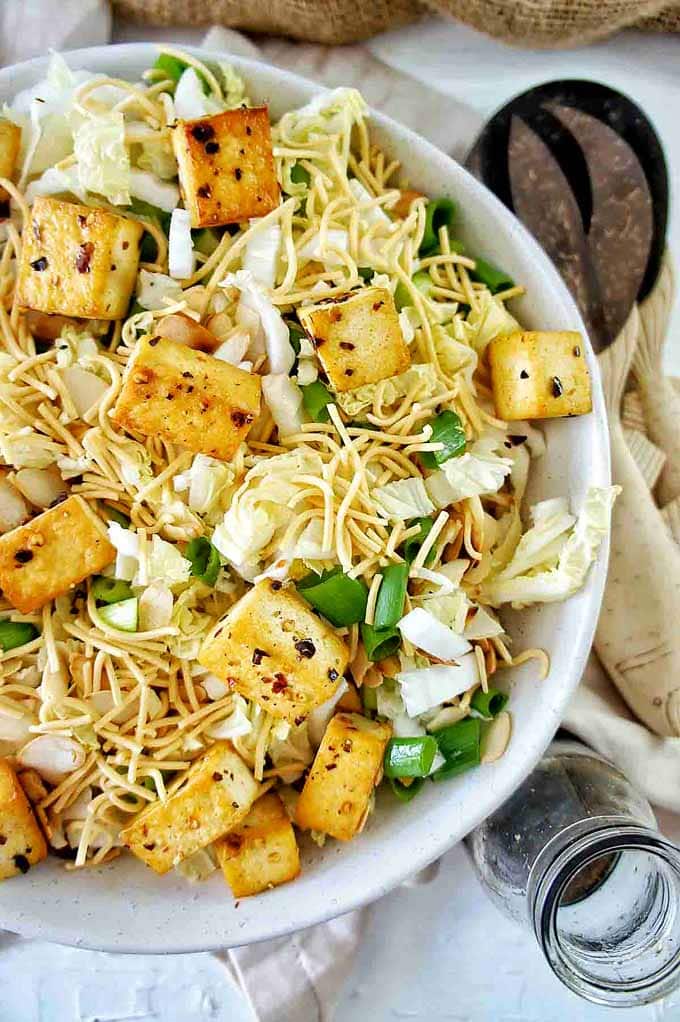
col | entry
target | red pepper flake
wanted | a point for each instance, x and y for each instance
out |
(557, 388)
(333, 674)
(249, 130)
(524, 375)
(377, 305)
(349, 372)
(258, 655)
(84, 256)
(39, 264)
(577, 352)
(280, 683)
(238, 173)
(23, 556)
(347, 345)
(331, 766)
(212, 147)
(204, 192)
(217, 776)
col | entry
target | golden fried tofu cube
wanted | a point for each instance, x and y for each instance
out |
(347, 767)
(10, 143)
(216, 796)
(262, 851)
(187, 397)
(357, 337)
(77, 260)
(226, 166)
(21, 840)
(53, 552)
(273, 649)
(539, 375)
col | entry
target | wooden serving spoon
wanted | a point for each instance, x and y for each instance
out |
(581, 165)
(583, 168)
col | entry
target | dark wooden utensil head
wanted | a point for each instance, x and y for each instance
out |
(583, 168)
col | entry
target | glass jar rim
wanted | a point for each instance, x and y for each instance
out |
(549, 879)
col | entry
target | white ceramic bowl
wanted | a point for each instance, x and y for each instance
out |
(126, 907)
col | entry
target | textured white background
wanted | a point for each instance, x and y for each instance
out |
(440, 952)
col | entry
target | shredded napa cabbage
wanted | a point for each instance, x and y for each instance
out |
(424, 688)
(261, 254)
(565, 568)
(328, 113)
(403, 499)
(206, 483)
(489, 318)
(421, 378)
(155, 561)
(259, 511)
(476, 472)
(102, 157)
(283, 398)
(257, 314)
(156, 290)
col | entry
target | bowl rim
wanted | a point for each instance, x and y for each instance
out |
(392, 873)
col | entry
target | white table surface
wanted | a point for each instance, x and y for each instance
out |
(440, 952)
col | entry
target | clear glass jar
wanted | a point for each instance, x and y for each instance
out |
(575, 853)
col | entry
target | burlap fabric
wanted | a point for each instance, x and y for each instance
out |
(539, 23)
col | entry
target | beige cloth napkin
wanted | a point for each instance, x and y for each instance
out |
(299, 978)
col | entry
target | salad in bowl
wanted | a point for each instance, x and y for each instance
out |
(266, 430)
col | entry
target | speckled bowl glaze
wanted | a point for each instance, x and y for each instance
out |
(126, 907)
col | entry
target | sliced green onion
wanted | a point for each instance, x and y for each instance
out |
(459, 745)
(366, 273)
(124, 615)
(389, 606)
(438, 213)
(295, 335)
(110, 590)
(114, 515)
(16, 633)
(409, 757)
(173, 68)
(205, 560)
(206, 240)
(299, 175)
(495, 279)
(406, 792)
(410, 548)
(490, 703)
(447, 429)
(402, 296)
(341, 599)
(315, 397)
(369, 698)
(379, 644)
